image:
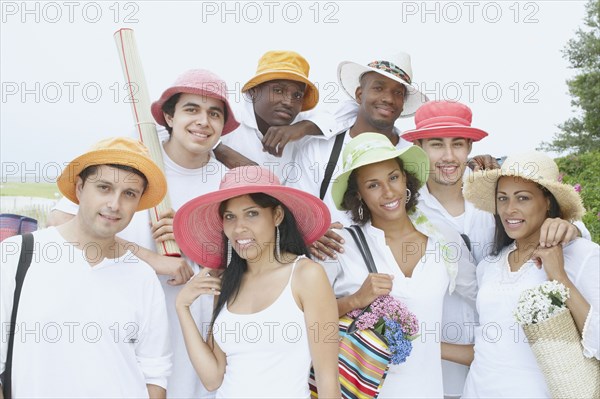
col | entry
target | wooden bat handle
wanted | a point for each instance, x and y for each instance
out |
(144, 122)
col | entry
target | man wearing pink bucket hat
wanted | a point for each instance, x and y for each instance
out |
(444, 131)
(277, 113)
(196, 112)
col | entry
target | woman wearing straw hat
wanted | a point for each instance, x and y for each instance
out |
(275, 310)
(379, 185)
(521, 195)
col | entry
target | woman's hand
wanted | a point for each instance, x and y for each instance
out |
(375, 285)
(202, 283)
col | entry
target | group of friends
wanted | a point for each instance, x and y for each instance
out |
(261, 193)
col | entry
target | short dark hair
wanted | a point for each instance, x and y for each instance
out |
(90, 170)
(501, 239)
(351, 201)
(168, 108)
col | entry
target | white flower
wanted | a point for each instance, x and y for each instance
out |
(540, 303)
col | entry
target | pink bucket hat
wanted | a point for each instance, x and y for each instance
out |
(198, 227)
(201, 82)
(443, 119)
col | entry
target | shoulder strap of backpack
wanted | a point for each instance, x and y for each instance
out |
(24, 263)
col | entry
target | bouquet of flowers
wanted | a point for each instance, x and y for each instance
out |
(541, 303)
(390, 318)
(555, 342)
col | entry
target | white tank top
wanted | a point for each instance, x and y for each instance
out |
(268, 355)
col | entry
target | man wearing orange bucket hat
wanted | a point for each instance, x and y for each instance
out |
(196, 112)
(92, 320)
(275, 113)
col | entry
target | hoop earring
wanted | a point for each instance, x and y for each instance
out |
(361, 212)
(408, 195)
(277, 244)
(229, 252)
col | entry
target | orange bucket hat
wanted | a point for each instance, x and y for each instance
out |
(287, 65)
(120, 151)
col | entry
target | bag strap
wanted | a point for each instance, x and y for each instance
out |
(359, 237)
(333, 158)
(24, 263)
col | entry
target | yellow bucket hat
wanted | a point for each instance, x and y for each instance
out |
(120, 151)
(287, 65)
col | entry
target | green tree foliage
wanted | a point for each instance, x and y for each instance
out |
(584, 170)
(582, 133)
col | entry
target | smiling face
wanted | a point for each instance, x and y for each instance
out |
(250, 228)
(522, 207)
(277, 102)
(382, 187)
(107, 200)
(197, 124)
(448, 157)
(381, 100)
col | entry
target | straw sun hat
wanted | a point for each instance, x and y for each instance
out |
(198, 226)
(120, 151)
(480, 189)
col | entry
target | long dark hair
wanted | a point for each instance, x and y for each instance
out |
(501, 239)
(290, 241)
(351, 201)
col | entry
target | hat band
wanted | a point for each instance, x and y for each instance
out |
(391, 68)
(362, 149)
(441, 121)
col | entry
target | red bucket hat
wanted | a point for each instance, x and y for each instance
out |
(201, 82)
(443, 119)
(197, 225)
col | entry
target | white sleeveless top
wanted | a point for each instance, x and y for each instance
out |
(268, 355)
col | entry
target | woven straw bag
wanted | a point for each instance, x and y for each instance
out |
(557, 348)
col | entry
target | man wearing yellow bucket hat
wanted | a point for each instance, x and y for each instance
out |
(92, 318)
(273, 113)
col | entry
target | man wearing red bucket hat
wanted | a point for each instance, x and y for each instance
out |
(196, 112)
(91, 320)
(444, 131)
(276, 113)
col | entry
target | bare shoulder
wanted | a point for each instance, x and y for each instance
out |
(308, 271)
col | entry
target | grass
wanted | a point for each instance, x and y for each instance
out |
(41, 190)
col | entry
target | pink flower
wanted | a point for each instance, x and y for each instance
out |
(560, 178)
(577, 187)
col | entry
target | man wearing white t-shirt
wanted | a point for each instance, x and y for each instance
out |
(381, 93)
(195, 112)
(91, 318)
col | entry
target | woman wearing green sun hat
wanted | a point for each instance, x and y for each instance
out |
(416, 262)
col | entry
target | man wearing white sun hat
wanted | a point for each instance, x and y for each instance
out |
(381, 92)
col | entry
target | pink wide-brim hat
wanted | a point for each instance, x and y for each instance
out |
(438, 119)
(198, 227)
(200, 82)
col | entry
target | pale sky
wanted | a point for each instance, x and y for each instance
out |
(63, 89)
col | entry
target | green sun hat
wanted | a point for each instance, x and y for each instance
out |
(369, 148)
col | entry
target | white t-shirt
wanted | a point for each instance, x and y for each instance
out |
(504, 364)
(247, 139)
(83, 331)
(478, 225)
(183, 185)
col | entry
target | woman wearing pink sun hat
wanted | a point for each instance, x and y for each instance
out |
(274, 306)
